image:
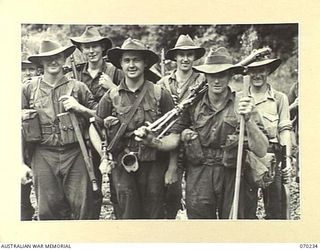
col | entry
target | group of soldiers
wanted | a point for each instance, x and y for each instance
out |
(145, 170)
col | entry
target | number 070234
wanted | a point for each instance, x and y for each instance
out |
(305, 245)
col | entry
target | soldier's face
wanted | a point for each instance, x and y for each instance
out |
(133, 64)
(218, 83)
(258, 76)
(185, 59)
(27, 73)
(92, 51)
(53, 64)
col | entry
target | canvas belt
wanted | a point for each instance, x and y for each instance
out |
(50, 129)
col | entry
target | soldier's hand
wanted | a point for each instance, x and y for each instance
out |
(70, 103)
(295, 104)
(26, 174)
(110, 121)
(246, 106)
(142, 134)
(106, 82)
(175, 99)
(170, 177)
(188, 135)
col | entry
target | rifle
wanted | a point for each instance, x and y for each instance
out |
(86, 157)
(82, 144)
(74, 67)
(162, 63)
(286, 186)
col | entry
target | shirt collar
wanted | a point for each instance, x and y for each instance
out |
(269, 94)
(62, 81)
(123, 86)
(102, 69)
(230, 97)
(173, 76)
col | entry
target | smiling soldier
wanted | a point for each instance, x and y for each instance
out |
(140, 192)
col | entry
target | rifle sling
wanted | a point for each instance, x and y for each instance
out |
(124, 125)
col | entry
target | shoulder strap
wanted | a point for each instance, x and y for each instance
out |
(124, 125)
(111, 71)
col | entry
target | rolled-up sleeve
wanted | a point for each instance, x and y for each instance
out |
(284, 115)
(87, 97)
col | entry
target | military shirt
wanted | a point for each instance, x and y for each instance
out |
(217, 129)
(118, 102)
(115, 74)
(39, 95)
(274, 109)
(171, 84)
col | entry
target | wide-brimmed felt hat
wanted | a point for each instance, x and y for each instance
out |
(115, 54)
(270, 64)
(185, 42)
(218, 61)
(50, 48)
(91, 35)
(25, 64)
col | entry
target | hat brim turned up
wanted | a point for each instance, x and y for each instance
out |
(218, 68)
(271, 64)
(77, 41)
(199, 52)
(67, 50)
(115, 54)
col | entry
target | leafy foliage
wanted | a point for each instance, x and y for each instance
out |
(240, 39)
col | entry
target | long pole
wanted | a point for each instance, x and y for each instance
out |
(246, 80)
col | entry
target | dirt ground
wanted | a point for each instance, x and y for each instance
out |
(108, 214)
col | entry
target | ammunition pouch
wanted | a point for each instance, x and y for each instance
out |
(68, 134)
(230, 151)
(31, 130)
(194, 152)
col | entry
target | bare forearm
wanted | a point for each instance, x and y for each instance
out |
(167, 143)
(257, 140)
(86, 112)
(285, 140)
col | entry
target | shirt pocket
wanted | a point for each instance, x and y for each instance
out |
(150, 113)
(137, 119)
(229, 125)
(270, 122)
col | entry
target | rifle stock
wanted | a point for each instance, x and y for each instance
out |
(87, 159)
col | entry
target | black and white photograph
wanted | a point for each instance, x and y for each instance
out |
(160, 122)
